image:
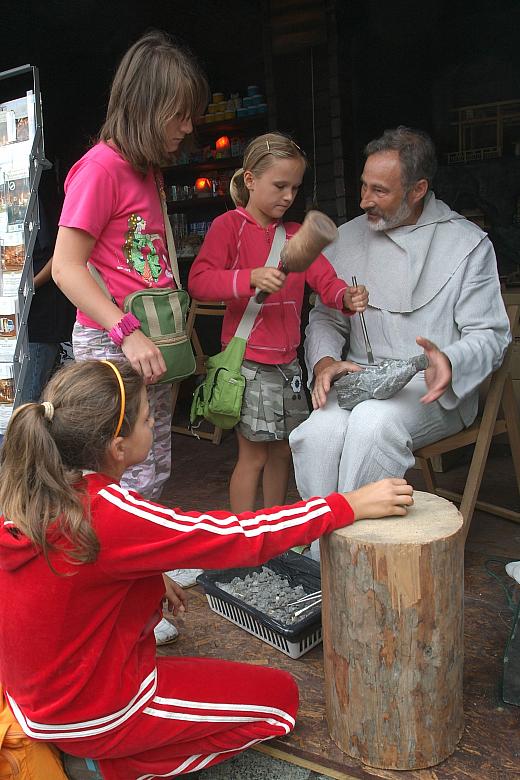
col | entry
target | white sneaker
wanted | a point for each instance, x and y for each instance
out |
(513, 569)
(184, 577)
(165, 632)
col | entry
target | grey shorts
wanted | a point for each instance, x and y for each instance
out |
(274, 401)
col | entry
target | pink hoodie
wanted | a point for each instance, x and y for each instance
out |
(234, 245)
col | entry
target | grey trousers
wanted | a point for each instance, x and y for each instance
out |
(335, 449)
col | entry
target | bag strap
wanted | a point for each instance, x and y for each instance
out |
(100, 281)
(245, 326)
(172, 254)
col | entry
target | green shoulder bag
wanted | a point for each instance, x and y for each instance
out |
(218, 398)
(162, 313)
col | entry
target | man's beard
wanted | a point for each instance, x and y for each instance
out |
(387, 222)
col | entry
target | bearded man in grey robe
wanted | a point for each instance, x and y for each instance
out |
(433, 282)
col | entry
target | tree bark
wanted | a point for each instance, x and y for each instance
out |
(393, 636)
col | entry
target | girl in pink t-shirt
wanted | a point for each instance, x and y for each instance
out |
(112, 219)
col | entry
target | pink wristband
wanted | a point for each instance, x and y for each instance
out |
(124, 327)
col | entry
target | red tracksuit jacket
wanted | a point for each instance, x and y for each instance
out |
(234, 245)
(77, 652)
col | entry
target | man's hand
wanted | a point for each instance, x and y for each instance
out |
(326, 371)
(176, 596)
(438, 373)
(355, 298)
(269, 280)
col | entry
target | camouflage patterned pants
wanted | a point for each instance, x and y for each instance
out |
(274, 401)
(148, 477)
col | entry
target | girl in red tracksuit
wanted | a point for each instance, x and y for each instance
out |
(230, 266)
(81, 559)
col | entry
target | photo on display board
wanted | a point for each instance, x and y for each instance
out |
(7, 126)
(17, 120)
(17, 198)
(6, 390)
(17, 129)
(12, 257)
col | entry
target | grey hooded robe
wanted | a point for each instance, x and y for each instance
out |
(437, 279)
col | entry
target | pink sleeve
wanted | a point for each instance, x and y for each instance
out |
(322, 277)
(90, 197)
(212, 274)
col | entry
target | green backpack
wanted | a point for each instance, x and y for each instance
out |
(218, 398)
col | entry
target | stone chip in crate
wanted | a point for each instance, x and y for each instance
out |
(261, 601)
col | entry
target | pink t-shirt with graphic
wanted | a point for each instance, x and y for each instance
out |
(121, 209)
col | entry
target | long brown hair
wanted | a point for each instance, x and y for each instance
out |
(156, 80)
(41, 458)
(259, 155)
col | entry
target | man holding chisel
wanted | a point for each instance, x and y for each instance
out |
(433, 285)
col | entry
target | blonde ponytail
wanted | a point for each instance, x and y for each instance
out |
(237, 188)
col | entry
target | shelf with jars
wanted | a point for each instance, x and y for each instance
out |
(197, 186)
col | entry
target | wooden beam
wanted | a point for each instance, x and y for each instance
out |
(281, 755)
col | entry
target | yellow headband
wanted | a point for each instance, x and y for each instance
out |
(123, 395)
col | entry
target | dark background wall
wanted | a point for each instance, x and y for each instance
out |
(337, 73)
(412, 63)
(77, 45)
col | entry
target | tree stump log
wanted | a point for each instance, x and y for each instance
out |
(393, 616)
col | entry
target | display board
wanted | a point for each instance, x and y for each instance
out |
(21, 161)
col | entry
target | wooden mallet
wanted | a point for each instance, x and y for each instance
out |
(301, 251)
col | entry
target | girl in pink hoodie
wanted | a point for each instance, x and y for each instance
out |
(230, 266)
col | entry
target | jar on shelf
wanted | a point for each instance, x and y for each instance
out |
(179, 227)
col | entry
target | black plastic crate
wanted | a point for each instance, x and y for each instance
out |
(293, 640)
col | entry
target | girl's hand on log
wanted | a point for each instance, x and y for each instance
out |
(355, 298)
(270, 280)
(386, 498)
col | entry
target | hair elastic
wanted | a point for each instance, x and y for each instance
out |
(123, 394)
(48, 410)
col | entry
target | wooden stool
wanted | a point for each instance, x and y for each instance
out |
(489, 423)
(393, 635)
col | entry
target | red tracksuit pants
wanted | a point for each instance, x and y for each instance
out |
(204, 711)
